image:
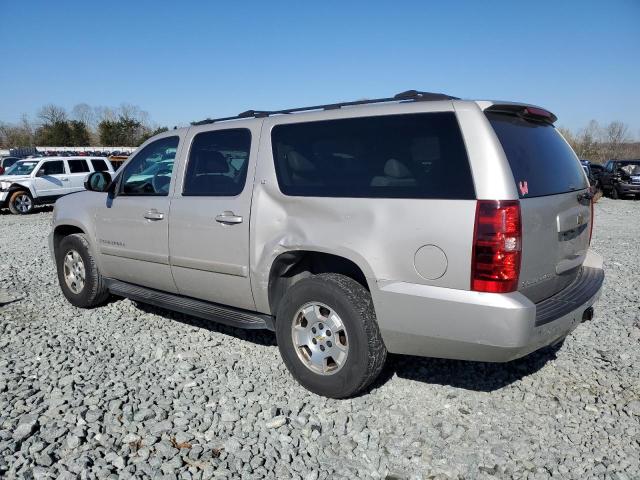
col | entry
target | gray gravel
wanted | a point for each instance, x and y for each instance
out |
(127, 391)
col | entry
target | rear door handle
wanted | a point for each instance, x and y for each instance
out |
(65, 179)
(154, 215)
(228, 218)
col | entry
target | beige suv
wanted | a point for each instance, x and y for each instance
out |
(419, 224)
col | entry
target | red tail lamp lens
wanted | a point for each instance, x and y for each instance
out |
(497, 246)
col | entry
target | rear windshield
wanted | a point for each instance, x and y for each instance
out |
(541, 161)
(399, 156)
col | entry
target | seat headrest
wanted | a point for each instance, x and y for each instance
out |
(212, 162)
(298, 163)
(396, 169)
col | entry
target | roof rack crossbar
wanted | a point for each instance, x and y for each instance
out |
(409, 95)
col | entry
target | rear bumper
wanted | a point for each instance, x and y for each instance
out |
(438, 322)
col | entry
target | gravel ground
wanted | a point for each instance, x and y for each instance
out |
(129, 391)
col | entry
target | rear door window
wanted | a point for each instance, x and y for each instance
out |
(218, 163)
(541, 161)
(392, 156)
(78, 166)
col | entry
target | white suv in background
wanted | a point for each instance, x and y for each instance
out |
(41, 181)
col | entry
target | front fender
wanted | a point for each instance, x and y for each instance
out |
(22, 186)
(77, 211)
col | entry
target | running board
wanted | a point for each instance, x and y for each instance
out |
(234, 317)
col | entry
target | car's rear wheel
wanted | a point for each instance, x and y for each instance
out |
(78, 275)
(20, 202)
(328, 335)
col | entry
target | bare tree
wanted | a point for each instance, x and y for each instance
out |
(616, 137)
(102, 114)
(84, 113)
(51, 114)
(588, 142)
(569, 137)
(134, 112)
(20, 135)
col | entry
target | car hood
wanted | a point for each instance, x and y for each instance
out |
(13, 178)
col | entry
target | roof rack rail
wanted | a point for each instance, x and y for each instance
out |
(409, 95)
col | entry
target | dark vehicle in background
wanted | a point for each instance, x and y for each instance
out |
(6, 162)
(620, 178)
(592, 171)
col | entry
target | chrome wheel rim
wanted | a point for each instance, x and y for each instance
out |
(74, 272)
(23, 203)
(320, 338)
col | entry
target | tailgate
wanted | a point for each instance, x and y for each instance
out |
(556, 216)
(555, 240)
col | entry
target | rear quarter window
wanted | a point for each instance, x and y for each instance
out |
(392, 156)
(99, 165)
(541, 161)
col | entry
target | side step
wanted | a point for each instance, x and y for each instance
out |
(231, 316)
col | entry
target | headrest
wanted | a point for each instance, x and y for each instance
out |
(299, 163)
(211, 161)
(396, 169)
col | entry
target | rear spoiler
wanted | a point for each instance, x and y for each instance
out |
(528, 112)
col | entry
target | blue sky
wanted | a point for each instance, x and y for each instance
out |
(184, 61)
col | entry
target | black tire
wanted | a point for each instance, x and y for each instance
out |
(352, 303)
(614, 193)
(95, 291)
(17, 199)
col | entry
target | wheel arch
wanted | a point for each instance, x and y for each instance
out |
(14, 187)
(291, 266)
(64, 230)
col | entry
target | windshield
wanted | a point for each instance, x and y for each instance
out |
(631, 168)
(541, 161)
(21, 168)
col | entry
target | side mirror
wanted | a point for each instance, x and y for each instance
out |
(40, 173)
(97, 181)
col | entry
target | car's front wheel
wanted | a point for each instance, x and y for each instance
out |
(20, 202)
(78, 275)
(614, 193)
(328, 335)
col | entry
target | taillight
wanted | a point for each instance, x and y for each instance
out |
(497, 246)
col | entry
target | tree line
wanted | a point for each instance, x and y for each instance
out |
(126, 125)
(598, 143)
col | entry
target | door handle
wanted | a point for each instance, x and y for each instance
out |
(228, 218)
(65, 179)
(154, 215)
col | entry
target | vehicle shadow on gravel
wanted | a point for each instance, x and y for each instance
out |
(476, 376)
(43, 209)
(259, 337)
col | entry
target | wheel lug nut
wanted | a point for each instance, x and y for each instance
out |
(329, 344)
(313, 329)
(328, 333)
(320, 326)
(314, 341)
(322, 347)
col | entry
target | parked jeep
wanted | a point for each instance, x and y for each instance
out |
(621, 178)
(40, 181)
(419, 224)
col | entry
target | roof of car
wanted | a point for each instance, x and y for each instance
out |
(77, 157)
(407, 96)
